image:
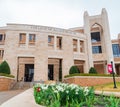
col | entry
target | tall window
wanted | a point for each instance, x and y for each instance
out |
(32, 38)
(96, 49)
(116, 50)
(59, 42)
(95, 37)
(74, 45)
(2, 38)
(51, 41)
(1, 53)
(22, 38)
(81, 46)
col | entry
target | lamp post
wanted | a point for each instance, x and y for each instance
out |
(113, 75)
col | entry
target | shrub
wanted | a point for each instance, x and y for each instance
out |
(92, 70)
(74, 70)
(4, 68)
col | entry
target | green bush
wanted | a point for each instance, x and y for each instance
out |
(4, 68)
(74, 70)
(92, 70)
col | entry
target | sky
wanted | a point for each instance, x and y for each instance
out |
(58, 13)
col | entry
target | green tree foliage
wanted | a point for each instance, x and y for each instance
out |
(74, 70)
(92, 70)
(4, 68)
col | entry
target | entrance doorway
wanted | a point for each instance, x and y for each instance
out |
(50, 72)
(29, 72)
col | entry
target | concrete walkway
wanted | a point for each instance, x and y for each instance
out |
(6, 95)
(25, 99)
(116, 94)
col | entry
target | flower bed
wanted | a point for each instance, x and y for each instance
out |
(57, 95)
(65, 95)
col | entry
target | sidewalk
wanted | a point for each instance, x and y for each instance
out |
(6, 95)
(25, 99)
(106, 93)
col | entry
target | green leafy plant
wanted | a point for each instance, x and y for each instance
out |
(70, 95)
(92, 70)
(4, 68)
(57, 95)
(74, 70)
(107, 101)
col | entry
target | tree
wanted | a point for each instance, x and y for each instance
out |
(74, 70)
(4, 68)
(92, 71)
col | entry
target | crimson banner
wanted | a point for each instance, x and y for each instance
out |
(110, 68)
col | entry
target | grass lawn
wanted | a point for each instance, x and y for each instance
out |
(108, 87)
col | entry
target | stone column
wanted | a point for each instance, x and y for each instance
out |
(106, 34)
(88, 41)
(41, 58)
(107, 38)
(68, 59)
(27, 40)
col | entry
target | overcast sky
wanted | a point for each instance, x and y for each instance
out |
(58, 13)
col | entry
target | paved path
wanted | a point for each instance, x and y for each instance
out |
(117, 94)
(6, 95)
(25, 99)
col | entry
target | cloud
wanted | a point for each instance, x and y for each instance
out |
(57, 13)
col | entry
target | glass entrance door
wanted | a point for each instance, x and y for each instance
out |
(50, 72)
(29, 72)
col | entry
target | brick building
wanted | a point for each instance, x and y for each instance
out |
(46, 53)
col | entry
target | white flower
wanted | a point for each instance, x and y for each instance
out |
(86, 91)
(67, 91)
(76, 92)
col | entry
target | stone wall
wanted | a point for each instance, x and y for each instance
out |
(90, 81)
(6, 83)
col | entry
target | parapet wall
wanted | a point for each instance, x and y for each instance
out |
(90, 80)
(6, 83)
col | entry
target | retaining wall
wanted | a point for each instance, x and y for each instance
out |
(90, 80)
(6, 83)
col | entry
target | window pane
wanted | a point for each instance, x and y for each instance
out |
(96, 49)
(74, 45)
(95, 37)
(49, 39)
(81, 46)
(22, 38)
(59, 42)
(1, 37)
(116, 50)
(32, 37)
